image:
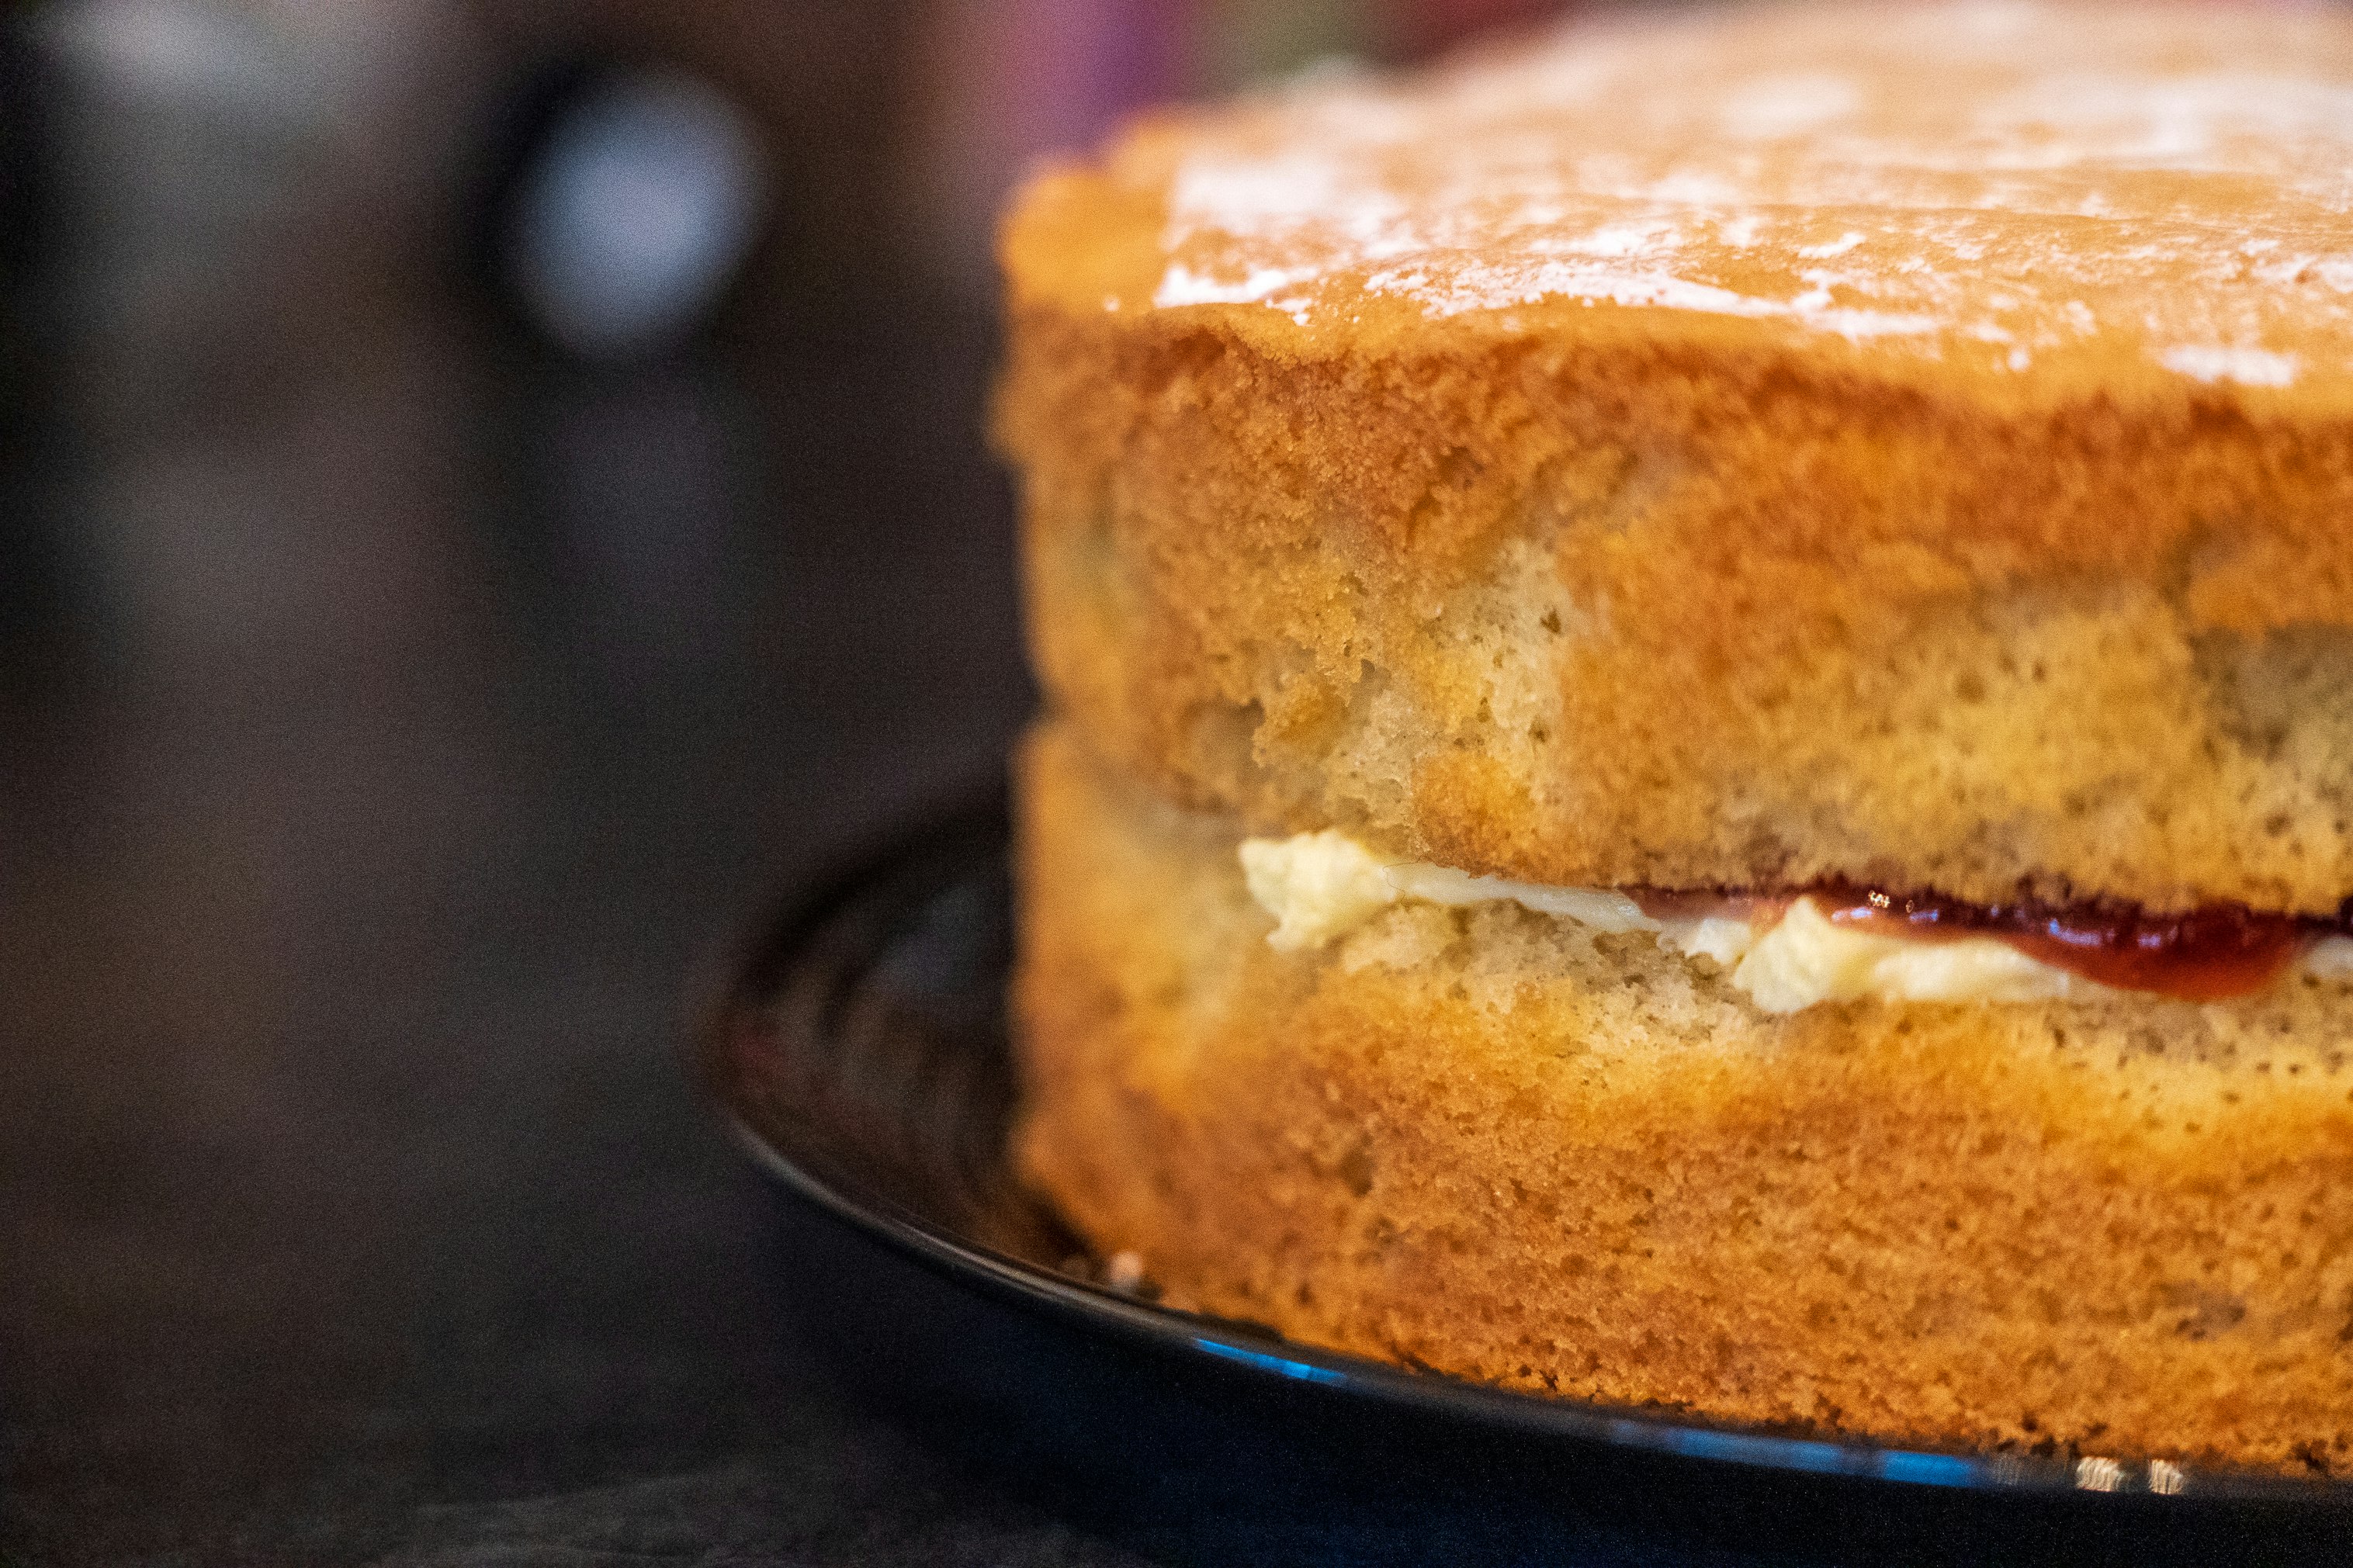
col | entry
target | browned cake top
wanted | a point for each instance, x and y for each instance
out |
(1737, 451)
(2026, 196)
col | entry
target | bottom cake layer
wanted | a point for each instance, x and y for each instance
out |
(1503, 1145)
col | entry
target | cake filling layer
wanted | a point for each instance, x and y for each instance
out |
(1790, 951)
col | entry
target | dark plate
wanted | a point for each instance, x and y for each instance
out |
(858, 1048)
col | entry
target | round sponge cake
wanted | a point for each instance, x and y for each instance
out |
(1909, 445)
(1713, 456)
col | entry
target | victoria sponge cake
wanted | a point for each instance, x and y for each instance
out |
(1699, 730)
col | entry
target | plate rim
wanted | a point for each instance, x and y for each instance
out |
(741, 976)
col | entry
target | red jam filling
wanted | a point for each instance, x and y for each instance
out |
(2205, 955)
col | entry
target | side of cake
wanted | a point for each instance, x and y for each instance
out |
(1586, 617)
(1510, 1146)
(1701, 717)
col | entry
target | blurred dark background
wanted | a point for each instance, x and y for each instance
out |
(489, 493)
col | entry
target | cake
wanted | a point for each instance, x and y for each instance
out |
(1698, 742)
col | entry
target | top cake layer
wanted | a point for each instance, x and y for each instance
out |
(2050, 194)
(1727, 451)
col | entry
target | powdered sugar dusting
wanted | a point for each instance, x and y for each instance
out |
(2213, 361)
(1182, 286)
(1998, 180)
(1787, 105)
(1658, 290)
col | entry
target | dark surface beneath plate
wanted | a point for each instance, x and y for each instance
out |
(860, 1048)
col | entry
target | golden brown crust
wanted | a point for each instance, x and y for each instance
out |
(1499, 1146)
(1609, 593)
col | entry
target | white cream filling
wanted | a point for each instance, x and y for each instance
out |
(1319, 887)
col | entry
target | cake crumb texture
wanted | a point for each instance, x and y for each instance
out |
(1501, 1146)
(1711, 452)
